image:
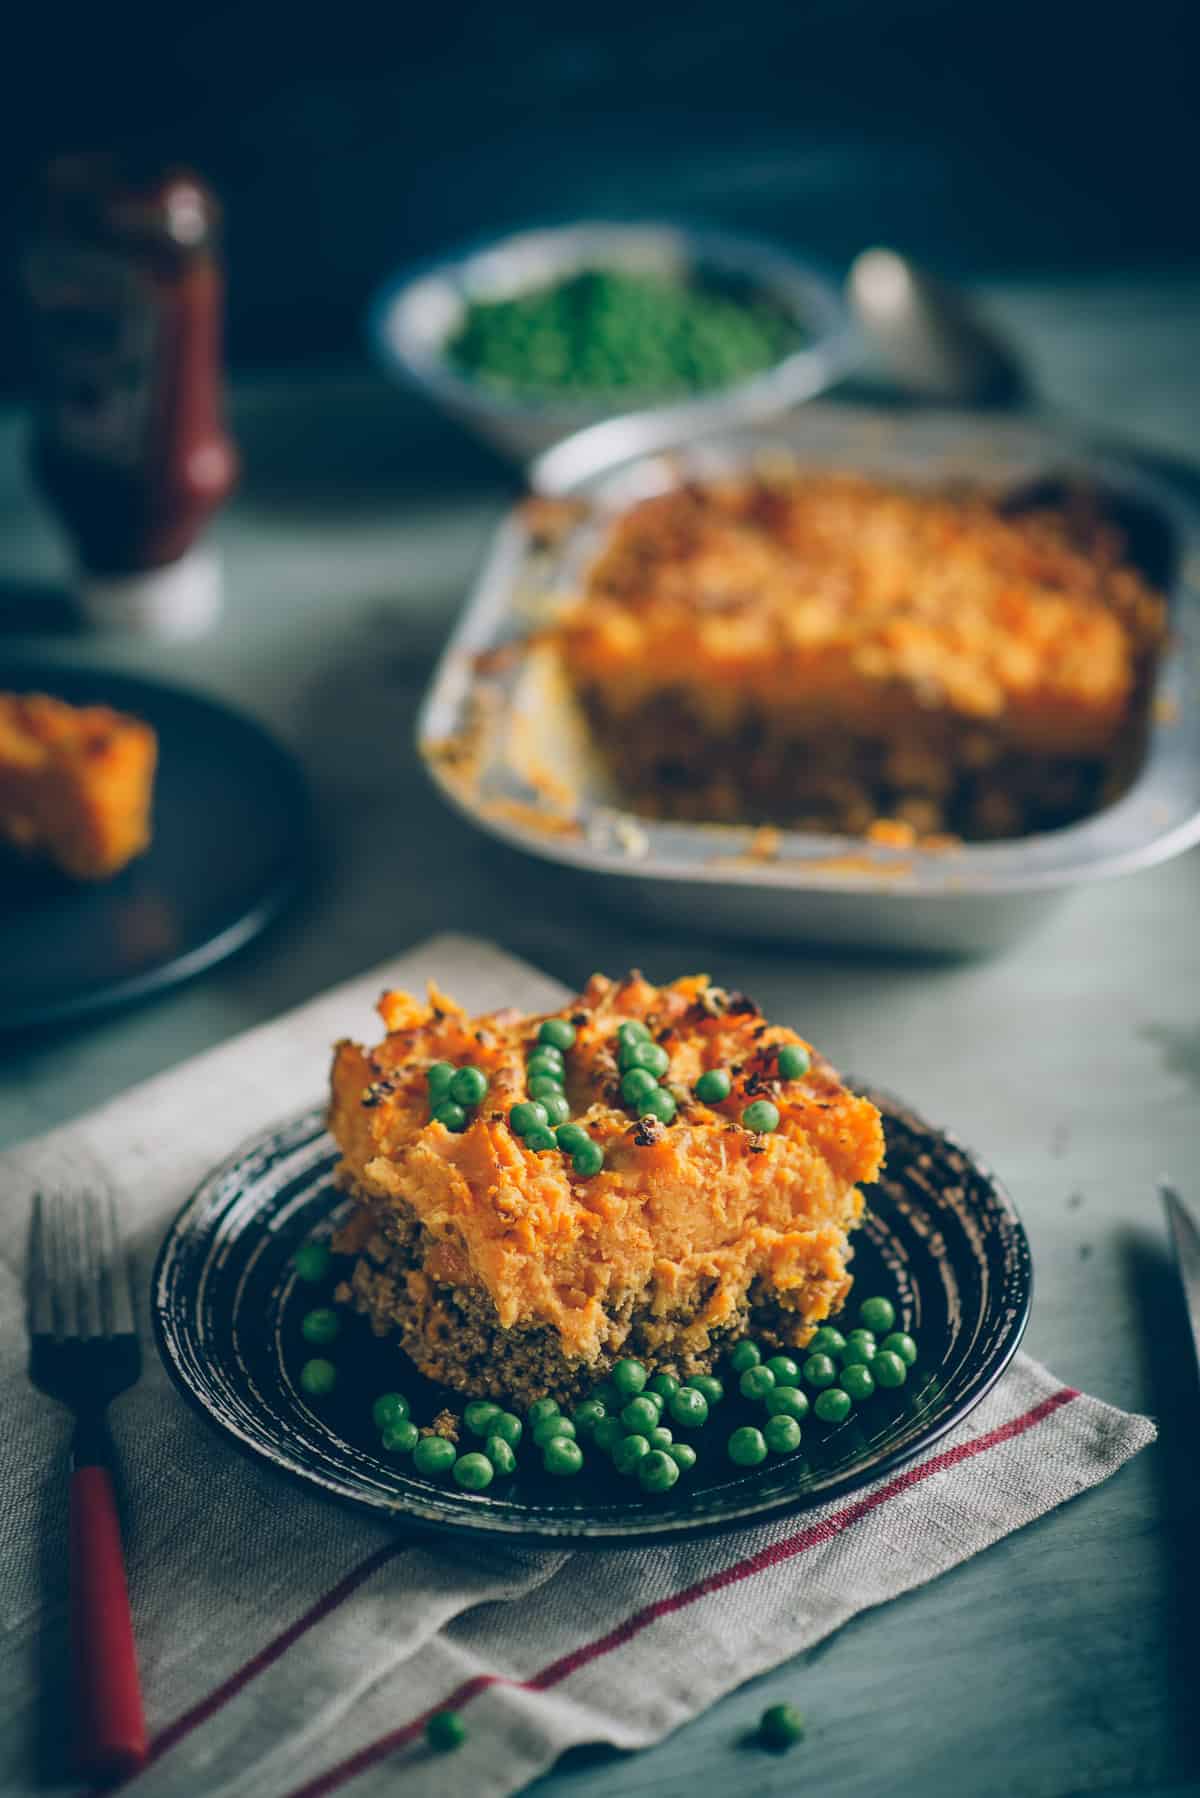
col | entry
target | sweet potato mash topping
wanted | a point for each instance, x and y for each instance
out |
(75, 783)
(687, 1226)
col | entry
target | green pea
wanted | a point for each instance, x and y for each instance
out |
(434, 1456)
(834, 1405)
(480, 1416)
(541, 1141)
(541, 1408)
(320, 1327)
(608, 1433)
(572, 1138)
(689, 1408)
(858, 1381)
(311, 1262)
(544, 1066)
(632, 1030)
(820, 1371)
(761, 1117)
(508, 1427)
(550, 1427)
(629, 1377)
(663, 1385)
(629, 1451)
(889, 1370)
(858, 1354)
(636, 1084)
(640, 1416)
(557, 1108)
(708, 1385)
(756, 1382)
(746, 1354)
(747, 1447)
(683, 1455)
(713, 1086)
(473, 1472)
(607, 1394)
(827, 1341)
(659, 1437)
(861, 1336)
(793, 1061)
(657, 1472)
(501, 1455)
(557, 1033)
(542, 1086)
(318, 1378)
(781, 1726)
(587, 1415)
(562, 1457)
(877, 1314)
(781, 1434)
(445, 1731)
(469, 1086)
(528, 1115)
(786, 1401)
(898, 1343)
(658, 1104)
(786, 1371)
(389, 1408)
(651, 1057)
(401, 1438)
(451, 1117)
(438, 1078)
(588, 1159)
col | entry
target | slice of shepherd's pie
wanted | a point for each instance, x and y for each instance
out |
(649, 1170)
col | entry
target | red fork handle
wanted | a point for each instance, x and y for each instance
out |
(110, 1728)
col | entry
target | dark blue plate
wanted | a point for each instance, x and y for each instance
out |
(941, 1239)
(229, 850)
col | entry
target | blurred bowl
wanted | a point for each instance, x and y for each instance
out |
(414, 317)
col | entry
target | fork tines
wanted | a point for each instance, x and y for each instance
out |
(79, 1279)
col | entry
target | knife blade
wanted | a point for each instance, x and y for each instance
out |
(1185, 1233)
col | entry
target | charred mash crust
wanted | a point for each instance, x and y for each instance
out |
(503, 1272)
(822, 651)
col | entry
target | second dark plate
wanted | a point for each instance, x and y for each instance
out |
(942, 1239)
(230, 847)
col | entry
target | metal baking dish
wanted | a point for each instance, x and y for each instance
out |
(501, 738)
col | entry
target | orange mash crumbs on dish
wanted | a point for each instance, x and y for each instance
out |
(822, 650)
(504, 1268)
(75, 783)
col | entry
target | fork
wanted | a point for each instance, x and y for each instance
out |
(84, 1351)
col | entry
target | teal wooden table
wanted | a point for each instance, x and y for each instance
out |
(1061, 1662)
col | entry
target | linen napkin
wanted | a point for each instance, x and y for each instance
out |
(290, 1648)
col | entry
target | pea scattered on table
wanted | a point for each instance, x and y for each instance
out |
(311, 1262)
(445, 1731)
(781, 1726)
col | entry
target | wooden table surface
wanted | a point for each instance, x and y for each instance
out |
(1062, 1661)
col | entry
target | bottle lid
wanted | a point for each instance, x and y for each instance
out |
(178, 601)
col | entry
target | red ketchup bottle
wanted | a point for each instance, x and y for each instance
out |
(130, 447)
